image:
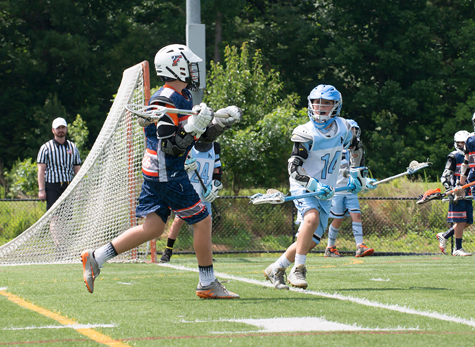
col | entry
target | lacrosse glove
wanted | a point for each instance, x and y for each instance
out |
(190, 163)
(212, 191)
(326, 191)
(197, 123)
(357, 179)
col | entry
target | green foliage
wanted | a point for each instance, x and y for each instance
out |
(78, 133)
(17, 216)
(22, 179)
(261, 141)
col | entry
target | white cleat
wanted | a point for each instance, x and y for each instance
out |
(276, 277)
(297, 276)
(442, 242)
(461, 253)
(90, 269)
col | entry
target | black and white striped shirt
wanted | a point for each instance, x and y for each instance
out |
(60, 160)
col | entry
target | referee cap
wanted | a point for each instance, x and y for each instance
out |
(58, 122)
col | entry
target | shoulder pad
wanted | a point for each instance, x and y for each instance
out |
(451, 155)
(301, 134)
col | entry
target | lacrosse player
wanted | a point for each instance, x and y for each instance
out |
(346, 203)
(460, 210)
(313, 166)
(166, 184)
(204, 160)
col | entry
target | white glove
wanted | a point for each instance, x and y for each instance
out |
(234, 116)
(327, 192)
(357, 179)
(369, 185)
(212, 191)
(191, 164)
(197, 123)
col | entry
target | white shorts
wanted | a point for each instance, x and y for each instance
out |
(304, 205)
(343, 204)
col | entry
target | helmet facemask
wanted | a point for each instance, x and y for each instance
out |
(323, 111)
(324, 105)
(459, 139)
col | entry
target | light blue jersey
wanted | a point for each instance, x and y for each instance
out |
(207, 162)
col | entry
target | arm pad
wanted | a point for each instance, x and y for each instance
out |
(178, 144)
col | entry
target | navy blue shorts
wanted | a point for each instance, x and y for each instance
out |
(461, 212)
(163, 197)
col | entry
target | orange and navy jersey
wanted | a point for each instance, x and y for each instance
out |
(157, 165)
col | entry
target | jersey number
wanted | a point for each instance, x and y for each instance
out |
(329, 165)
(203, 174)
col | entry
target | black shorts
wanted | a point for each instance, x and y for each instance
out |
(54, 191)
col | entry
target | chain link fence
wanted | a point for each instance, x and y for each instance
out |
(392, 226)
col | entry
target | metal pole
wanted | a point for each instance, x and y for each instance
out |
(196, 41)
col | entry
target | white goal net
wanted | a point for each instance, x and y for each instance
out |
(99, 204)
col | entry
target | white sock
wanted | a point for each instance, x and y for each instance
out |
(206, 275)
(358, 232)
(104, 254)
(332, 235)
(281, 262)
(300, 259)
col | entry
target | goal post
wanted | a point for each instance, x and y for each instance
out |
(99, 204)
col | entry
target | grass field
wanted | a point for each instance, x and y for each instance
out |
(375, 301)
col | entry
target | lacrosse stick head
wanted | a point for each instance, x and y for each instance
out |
(416, 166)
(431, 194)
(272, 196)
(151, 113)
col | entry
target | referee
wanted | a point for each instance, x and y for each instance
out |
(58, 161)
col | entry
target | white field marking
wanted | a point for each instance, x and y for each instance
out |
(336, 296)
(70, 326)
(292, 324)
(380, 280)
(127, 283)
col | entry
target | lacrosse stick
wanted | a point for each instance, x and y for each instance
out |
(413, 167)
(155, 112)
(435, 194)
(216, 211)
(273, 196)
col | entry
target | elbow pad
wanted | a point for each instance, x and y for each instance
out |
(297, 172)
(445, 179)
(178, 144)
(465, 168)
(212, 132)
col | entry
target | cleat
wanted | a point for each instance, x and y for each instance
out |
(277, 277)
(363, 251)
(442, 242)
(90, 269)
(297, 276)
(215, 291)
(332, 252)
(461, 253)
(166, 255)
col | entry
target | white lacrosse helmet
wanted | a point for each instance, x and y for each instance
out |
(460, 136)
(321, 119)
(473, 121)
(355, 125)
(178, 62)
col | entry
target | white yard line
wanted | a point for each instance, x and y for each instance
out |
(403, 309)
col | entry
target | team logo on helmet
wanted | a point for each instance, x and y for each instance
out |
(176, 59)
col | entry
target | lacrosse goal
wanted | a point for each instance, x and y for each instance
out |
(99, 204)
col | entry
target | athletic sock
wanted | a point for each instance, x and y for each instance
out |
(104, 253)
(282, 262)
(332, 235)
(458, 244)
(300, 259)
(170, 243)
(358, 232)
(449, 233)
(206, 275)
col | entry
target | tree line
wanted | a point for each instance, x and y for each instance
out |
(405, 70)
